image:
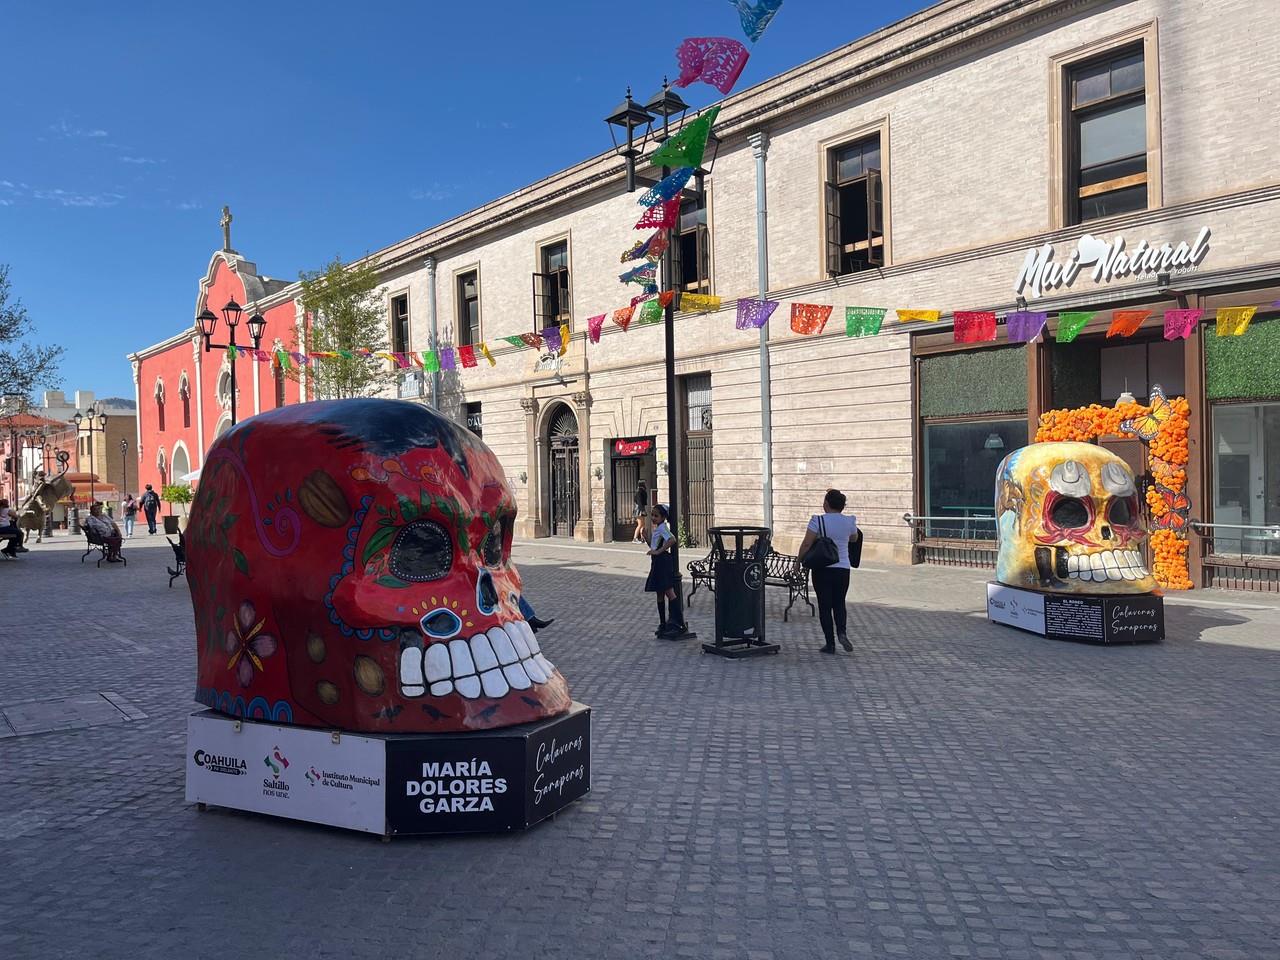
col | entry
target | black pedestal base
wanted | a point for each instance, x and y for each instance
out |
(1082, 618)
(741, 649)
(488, 781)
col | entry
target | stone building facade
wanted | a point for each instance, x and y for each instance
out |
(917, 167)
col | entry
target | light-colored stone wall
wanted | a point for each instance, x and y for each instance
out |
(968, 145)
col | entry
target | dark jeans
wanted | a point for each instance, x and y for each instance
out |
(151, 520)
(11, 546)
(831, 584)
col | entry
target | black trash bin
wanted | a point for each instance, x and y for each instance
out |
(738, 555)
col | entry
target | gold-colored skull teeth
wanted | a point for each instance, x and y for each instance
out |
(1069, 520)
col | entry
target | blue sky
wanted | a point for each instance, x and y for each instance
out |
(328, 128)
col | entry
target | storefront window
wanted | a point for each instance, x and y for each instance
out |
(960, 461)
(1246, 478)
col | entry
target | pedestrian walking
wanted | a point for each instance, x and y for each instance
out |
(150, 506)
(662, 572)
(642, 509)
(825, 551)
(129, 509)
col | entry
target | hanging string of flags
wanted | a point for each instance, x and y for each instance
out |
(804, 319)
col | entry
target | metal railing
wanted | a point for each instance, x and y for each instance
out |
(1240, 556)
(968, 541)
(1234, 544)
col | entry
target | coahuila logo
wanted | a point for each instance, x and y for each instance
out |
(275, 785)
(233, 766)
(1041, 274)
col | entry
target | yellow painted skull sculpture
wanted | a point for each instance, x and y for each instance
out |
(1069, 520)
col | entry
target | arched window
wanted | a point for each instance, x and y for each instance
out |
(278, 374)
(184, 391)
(159, 396)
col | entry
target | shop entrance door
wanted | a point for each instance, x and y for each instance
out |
(631, 460)
(563, 445)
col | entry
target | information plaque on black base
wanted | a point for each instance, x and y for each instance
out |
(1102, 619)
(484, 782)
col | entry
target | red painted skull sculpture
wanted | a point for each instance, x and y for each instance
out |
(350, 567)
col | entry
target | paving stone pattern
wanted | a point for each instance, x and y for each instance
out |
(951, 789)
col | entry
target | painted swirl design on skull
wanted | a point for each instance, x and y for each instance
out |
(1069, 520)
(370, 542)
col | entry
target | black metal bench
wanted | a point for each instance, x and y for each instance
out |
(94, 542)
(180, 558)
(780, 570)
(6, 540)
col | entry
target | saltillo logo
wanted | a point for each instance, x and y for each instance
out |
(233, 766)
(1041, 274)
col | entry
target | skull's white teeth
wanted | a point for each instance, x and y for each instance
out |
(1106, 565)
(490, 664)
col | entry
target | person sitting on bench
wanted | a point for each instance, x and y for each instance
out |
(9, 530)
(106, 529)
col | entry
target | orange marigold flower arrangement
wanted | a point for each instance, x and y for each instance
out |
(1167, 457)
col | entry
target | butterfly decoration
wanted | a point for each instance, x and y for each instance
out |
(1162, 469)
(1148, 425)
(1177, 509)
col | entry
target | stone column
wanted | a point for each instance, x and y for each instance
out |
(197, 352)
(530, 524)
(584, 529)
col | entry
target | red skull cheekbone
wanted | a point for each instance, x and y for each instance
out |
(350, 567)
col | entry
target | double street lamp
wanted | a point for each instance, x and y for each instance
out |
(634, 124)
(207, 320)
(85, 422)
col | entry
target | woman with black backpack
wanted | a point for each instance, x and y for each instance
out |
(825, 550)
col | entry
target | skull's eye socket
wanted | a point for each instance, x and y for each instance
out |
(1068, 512)
(421, 551)
(1120, 513)
(491, 549)
(441, 624)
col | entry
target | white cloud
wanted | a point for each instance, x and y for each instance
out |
(64, 129)
(435, 192)
(139, 160)
(190, 205)
(70, 198)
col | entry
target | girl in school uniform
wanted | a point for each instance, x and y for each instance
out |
(662, 570)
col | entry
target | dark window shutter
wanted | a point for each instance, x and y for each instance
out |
(875, 217)
(541, 304)
(834, 253)
(704, 256)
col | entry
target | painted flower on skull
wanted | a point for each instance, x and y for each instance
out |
(247, 644)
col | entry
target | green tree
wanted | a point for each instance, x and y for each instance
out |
(346, 314)
(23, 365)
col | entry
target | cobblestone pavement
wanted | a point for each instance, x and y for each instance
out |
(951, 789)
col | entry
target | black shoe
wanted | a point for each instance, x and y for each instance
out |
(23, 550)
(675, 631)
(829, 648)
(663, 630)
(844, 642)
(535, 624)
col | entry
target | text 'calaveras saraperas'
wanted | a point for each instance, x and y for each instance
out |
(350, 567)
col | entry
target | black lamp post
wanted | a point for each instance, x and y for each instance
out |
(668, 107)
(85, 422)
(231, 313)
(124, 465)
